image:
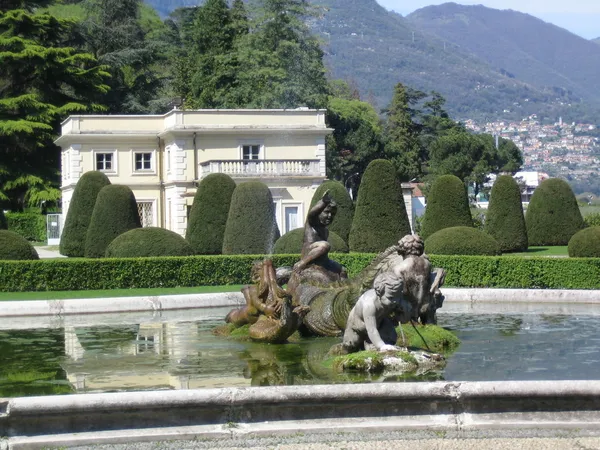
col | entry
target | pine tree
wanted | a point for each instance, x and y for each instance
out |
(43, 80)
(402, 134)
(114, 35)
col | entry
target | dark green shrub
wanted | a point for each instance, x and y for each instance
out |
(585, 243)
(3, 222)
(461, 241)
(380, 219)
(505, 220)
(150, 241)
(115, 213)
(592, 220)
(208, 216)
(32, 226)
(72, 240)
(15, 247)
(291, 243)
(251, 227)
(342, 222)
(553, 216)
(447, 206)
(64, 274)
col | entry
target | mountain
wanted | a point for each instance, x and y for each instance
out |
(518, 44)
(501, 70)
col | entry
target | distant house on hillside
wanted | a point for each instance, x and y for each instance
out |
(162, 158)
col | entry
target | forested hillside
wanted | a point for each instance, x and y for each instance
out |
(521, 46)
(526, 72)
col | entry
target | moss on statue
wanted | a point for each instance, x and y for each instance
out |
(431, 338)
(242, 333)
(372, 361)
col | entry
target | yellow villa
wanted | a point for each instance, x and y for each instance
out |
(162, 158)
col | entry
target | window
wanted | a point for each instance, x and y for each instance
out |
(105, 162)
(143, 161)
(251, 151)
(146, 212)
(291, 218)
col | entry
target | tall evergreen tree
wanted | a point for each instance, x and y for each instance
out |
(114, 35)
(42, 80)
(402, 145)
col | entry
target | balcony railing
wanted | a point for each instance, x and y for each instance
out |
(262, 168)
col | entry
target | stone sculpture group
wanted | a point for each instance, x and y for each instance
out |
(398, 286)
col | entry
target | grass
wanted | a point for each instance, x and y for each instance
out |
(65, 295)
(542, 251)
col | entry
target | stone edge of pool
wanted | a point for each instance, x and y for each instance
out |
(189, 301)
(84, 419)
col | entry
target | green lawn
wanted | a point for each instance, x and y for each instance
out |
(65, 295)
(543, 251)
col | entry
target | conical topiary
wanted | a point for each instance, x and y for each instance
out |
(251, 227)
(505, 220)
(13, 246)
(553, 216)
(208, 216)
(72, 240)
(342, 222)
(380, 218)
(150, 241)
(447, 206)
(115, 212)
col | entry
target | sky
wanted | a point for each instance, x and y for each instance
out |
(581, 17)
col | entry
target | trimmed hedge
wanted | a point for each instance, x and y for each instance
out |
(15, 247)
(585, 243)
(115, 213)
(72, 240)
(291, 242)
(146, 242)
(553, 215)
(208, 216)
(505, 220)
(592, 220)
(447, 206)
(31, 226)
(342, 222)
(122, 273)
(461, 241)
(380, 219)
(251, 227)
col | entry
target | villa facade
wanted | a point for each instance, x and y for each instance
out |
(162, 158)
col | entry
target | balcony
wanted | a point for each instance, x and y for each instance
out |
(262, 168)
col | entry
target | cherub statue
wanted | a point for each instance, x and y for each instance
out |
(371, 322)
(314, 265)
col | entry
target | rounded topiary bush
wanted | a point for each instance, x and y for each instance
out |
(461, 241)
(380, 218)
(15, 247)
(251, 227)
(342, 222)
(447, 206)
(505, 220)
(553, 215)
(208, 216)
(150, 241)
(585, 243)
(72, 240)
(115, 213)
(291, 243)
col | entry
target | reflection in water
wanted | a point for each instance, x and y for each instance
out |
(184, 354)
